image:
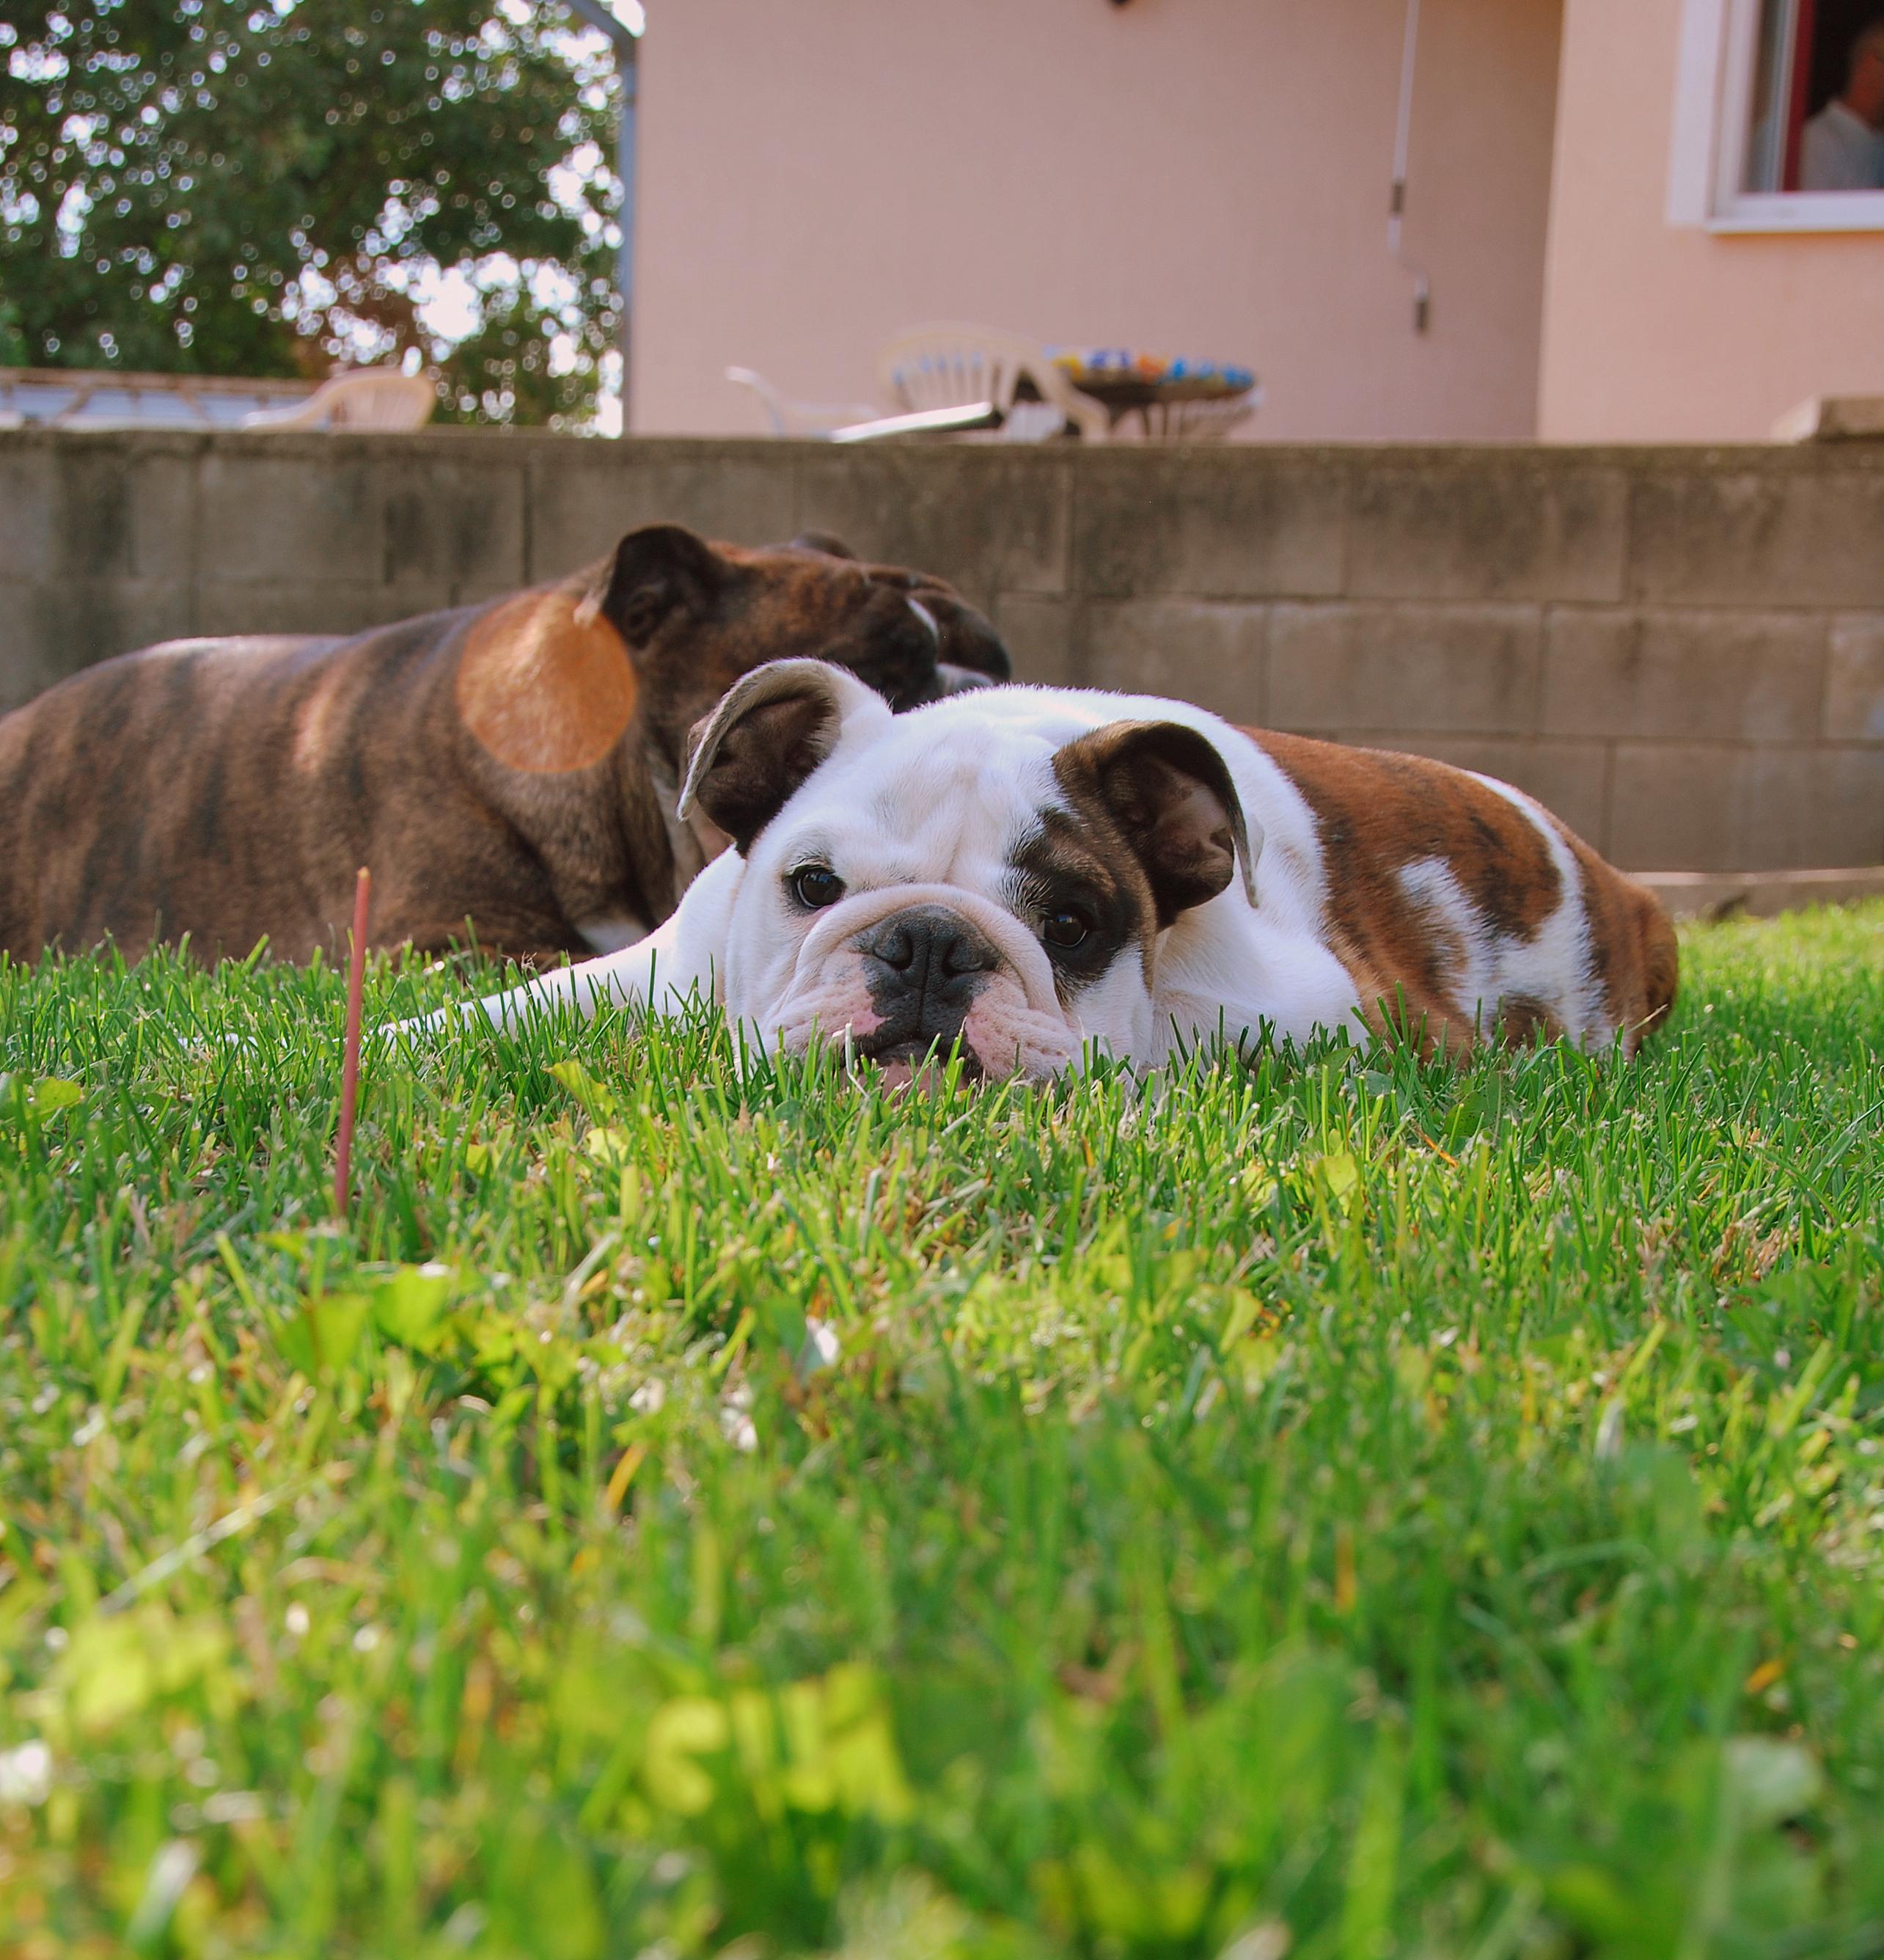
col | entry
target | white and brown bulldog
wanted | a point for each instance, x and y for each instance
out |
(1035, 873)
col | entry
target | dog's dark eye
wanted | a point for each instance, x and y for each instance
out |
(815, 887)
(1066, 929)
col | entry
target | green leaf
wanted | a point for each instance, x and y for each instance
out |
(410, 1306)
(117, 1664)
(681, 1730)
(323, 1337)
(590, 1093)
(864, 1762)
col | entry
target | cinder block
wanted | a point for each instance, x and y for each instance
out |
(27, 666)
(26, 507)
(479, 594)
(51, 630)
(1480, 527)
(454, 526)
(1816, 807)
(1570, 779)
(92, 529)
(1038, 632)
(584, 497)
(290, 517)
(1675, 807)
(991, 518)
(324, 606)
(1788, 536)
(1240, 523)
(1693, 807)
(1192, 649)
(1854, 682)
(166, 538)
(1455, 669)
(1686, 677)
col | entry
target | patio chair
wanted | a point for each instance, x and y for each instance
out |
(949, 365)
(806, 419)
(375, 398)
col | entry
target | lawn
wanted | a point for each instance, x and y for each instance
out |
(1329, 1504)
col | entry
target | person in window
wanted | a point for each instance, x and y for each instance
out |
(1842, 148)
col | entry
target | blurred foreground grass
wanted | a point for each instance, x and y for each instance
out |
(1328, 1505)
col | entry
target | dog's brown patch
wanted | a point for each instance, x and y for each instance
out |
(544, 685)
(1378, 813)
(1523, 1021)
(1077, 861)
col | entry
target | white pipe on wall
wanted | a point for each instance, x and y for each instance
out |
(1403, 143)
(625, 40)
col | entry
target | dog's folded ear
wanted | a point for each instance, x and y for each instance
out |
(657, 572)
(769, 731)
(1170, 795)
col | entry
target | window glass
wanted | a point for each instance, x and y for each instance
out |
(1816, 116)
(1772, 64)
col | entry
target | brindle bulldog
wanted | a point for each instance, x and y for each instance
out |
(509, 771)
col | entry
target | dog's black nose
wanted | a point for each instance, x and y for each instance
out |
(926, 965)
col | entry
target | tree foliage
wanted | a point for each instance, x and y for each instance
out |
(205, 186)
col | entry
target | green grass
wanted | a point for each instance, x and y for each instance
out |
(1333, 1500)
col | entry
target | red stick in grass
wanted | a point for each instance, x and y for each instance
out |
(350, 1053)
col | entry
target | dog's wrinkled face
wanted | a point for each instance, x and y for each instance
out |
(698, 616)
(906, 633)
(551, 679)
(952, 875)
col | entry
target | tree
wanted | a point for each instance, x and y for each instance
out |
(267, 187)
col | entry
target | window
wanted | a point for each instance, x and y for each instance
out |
(1779, 117)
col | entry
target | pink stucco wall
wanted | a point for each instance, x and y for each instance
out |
(1208, 177)
(1661, 333)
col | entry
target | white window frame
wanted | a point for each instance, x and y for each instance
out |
(1713, 86)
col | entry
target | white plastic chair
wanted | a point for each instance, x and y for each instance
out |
(789, 418)
(948, 364)
(375, 398)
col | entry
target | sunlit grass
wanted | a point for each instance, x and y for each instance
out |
(1412, 1512)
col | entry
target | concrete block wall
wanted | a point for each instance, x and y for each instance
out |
(1681, 651)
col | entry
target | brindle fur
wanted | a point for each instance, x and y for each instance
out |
(226, 789)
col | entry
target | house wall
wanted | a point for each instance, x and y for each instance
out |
(1661, 333)
(1203, 176)
(1681, 651)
